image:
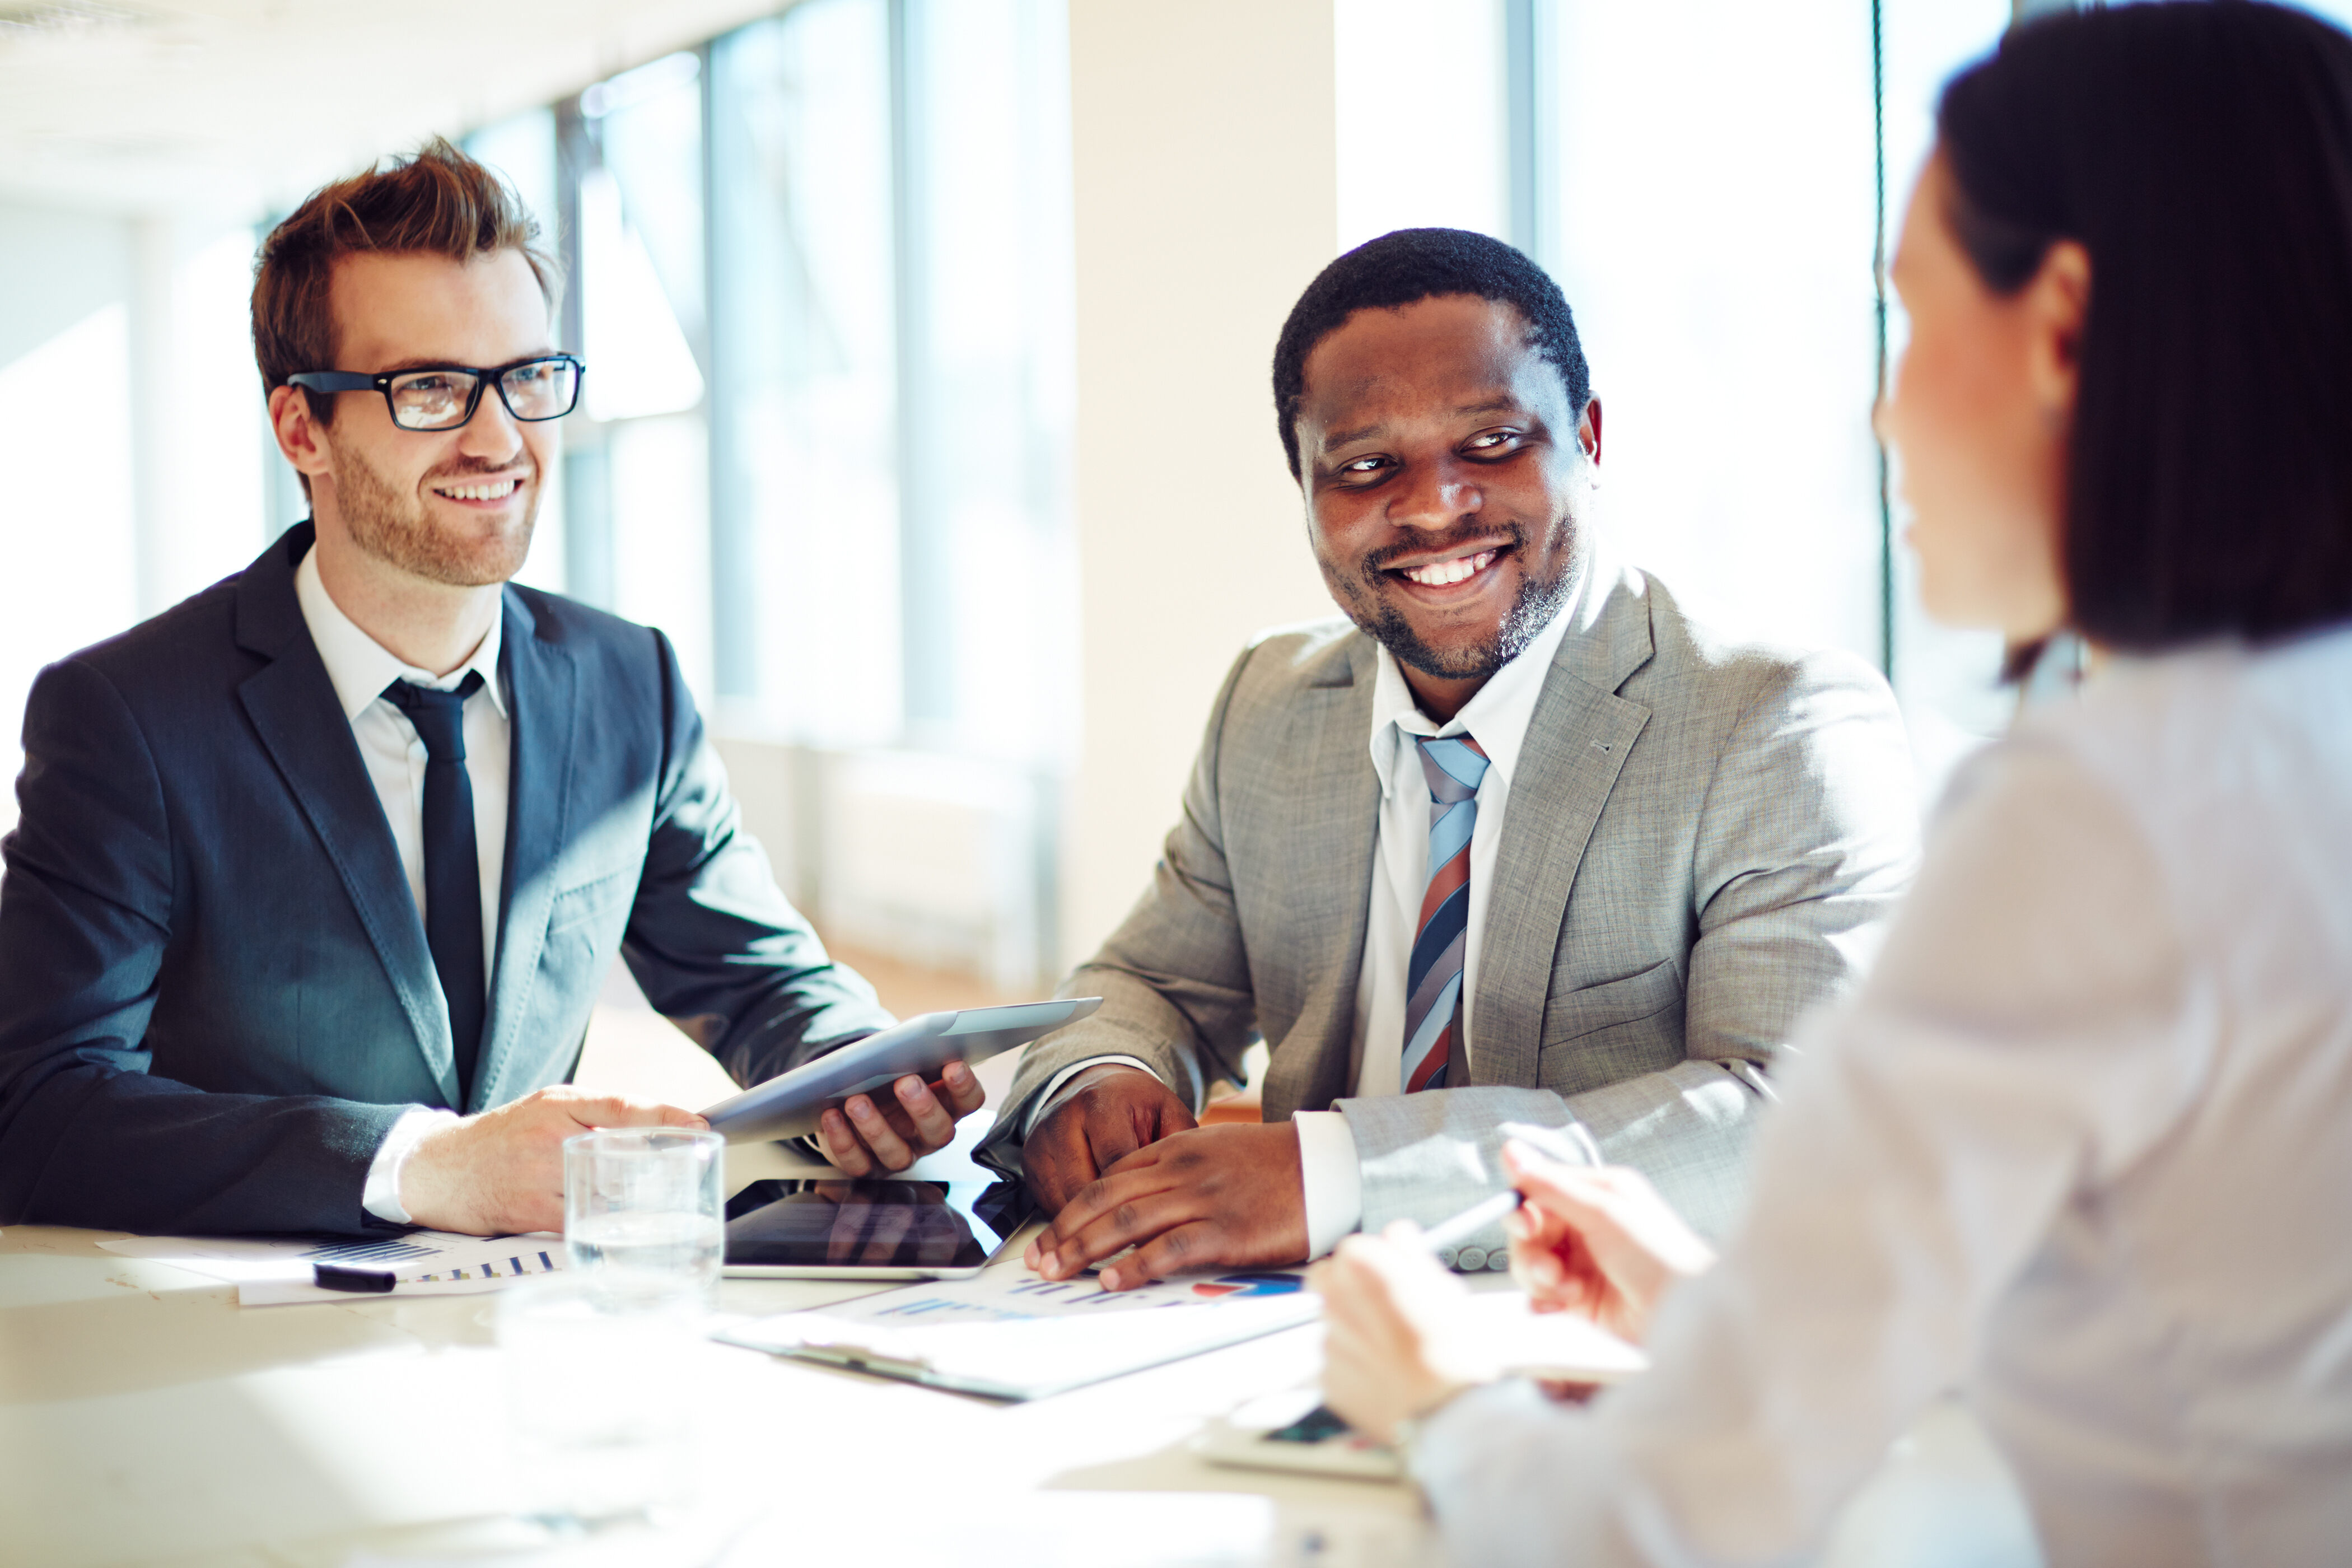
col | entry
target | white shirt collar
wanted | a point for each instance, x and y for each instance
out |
(1496, 716)
(362, 666)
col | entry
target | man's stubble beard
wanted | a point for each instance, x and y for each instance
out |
(398, 531)
(1378, 616)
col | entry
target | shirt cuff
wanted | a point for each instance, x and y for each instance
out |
(1050, 1102)
(381, 1197)
(1334, 1181)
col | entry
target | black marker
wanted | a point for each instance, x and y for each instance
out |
(365, 1281)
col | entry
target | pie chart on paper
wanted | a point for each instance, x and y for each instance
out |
(1251, 1285)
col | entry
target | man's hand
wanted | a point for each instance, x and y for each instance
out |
(1109, 1114)
(502, 1170)
(1224, 1197)
(1597, 1241)
(914, 1120)
(1394, 1344)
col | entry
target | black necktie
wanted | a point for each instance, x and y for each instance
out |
(453, 863)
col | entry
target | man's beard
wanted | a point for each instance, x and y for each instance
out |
(397, 530)
(1371, 604)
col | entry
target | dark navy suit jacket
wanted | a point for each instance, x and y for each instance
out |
(215, 995)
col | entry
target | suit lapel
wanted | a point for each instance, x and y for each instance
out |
(1576, 745)
(1332, 814)
(542, 691)
(295, 713)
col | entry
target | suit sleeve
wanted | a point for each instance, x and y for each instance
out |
(87, 1135)
(1174, 977)
(711, 939)
(1808, 836)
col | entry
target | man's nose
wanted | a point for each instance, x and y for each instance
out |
(492, 432)
(1435, 496)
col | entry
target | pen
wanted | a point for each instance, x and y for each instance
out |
(335, 1277)
(1470, 1221)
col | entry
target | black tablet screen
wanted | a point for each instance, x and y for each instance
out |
(840, 1223)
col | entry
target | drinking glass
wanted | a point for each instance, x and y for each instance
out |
(641, 1214)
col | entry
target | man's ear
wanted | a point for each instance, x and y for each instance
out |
(2057, 302)
(299, 435)
(1588, 431)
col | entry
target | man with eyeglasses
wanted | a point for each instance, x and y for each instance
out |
(317, 874)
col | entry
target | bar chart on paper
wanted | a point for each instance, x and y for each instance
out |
(1009, 1333)
(1000, 1296)
(276, 1271)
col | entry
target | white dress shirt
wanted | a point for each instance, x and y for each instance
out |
(2082, 1147)
(1497, 718)
(394, 754)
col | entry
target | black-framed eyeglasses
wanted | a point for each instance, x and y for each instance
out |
(444, 396)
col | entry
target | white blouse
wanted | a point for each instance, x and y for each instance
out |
(2082, 1148)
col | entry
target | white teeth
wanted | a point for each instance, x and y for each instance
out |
(1442, 573)
(499, 492)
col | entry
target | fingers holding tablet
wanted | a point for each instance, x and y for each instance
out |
(890, 1129)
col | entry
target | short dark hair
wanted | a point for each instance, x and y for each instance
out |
(1412, 265)
(438, 201)
(2201, 153)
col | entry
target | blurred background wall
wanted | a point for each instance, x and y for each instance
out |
(928, 405)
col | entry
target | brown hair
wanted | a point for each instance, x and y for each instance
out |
(2202, 154)
(438, 201)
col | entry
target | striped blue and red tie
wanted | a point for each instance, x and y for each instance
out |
(1433, 985)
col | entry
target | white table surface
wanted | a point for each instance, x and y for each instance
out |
(146, 1418)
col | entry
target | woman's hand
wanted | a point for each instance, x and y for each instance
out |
(1393, 1347)
(1598, 1241)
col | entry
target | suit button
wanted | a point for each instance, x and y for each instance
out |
(1446, 1256)
(1471, 1259)
(1498, 1261)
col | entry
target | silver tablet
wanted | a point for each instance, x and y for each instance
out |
(788, 1105)
(863, 1229)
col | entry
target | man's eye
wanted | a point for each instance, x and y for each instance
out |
(1494, 440)
(1363, 466)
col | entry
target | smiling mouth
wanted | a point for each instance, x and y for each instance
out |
(1445, 573)
(493, 489)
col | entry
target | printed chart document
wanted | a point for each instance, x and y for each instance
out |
(271, 1271)
(1009, 1333)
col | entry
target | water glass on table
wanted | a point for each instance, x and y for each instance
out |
(642, 1213)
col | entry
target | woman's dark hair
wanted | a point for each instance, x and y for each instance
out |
(2200, 151)
(1405, 267)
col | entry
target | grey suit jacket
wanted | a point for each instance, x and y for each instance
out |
(1704, 840)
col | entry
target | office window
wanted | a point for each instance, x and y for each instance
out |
(1713, 178)
(987, 380)
(809, 455)
(637, 475)
(1708, 200)
(1422, 99)
(73, 572)
(130, 426)
(820, 273)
